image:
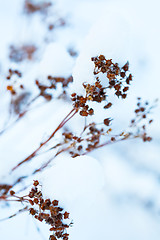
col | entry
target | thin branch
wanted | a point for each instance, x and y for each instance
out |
(32, 155)
(20, 115)
(15, 214)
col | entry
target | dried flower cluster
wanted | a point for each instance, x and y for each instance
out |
(19, 95)
(44, 210)
(13, 72)
(142, 119)
(80, 103)
(58, 23)
(89, 140)
(62, 80)
(19, 101)
(53, 81)
(93, 92)
(50, 212)
(30, 7)
(119, 78)
(45, 8)
(20, 53)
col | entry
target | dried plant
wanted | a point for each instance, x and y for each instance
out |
(30, 7)
(93, 136)
(20, 53)
(43, 210)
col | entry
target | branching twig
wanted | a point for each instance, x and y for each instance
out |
(64, 121)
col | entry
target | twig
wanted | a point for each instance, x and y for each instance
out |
(15, 214)
(32, 155)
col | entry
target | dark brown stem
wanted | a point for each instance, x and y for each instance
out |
(32, 155)
(107, 143)
(50, 160)
(15, 214)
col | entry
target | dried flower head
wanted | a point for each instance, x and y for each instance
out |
(24, 52)
(30, 7)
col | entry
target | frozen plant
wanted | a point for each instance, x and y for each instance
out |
(93, 135)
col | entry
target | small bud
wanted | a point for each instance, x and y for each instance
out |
(107, 121)
(12, 192)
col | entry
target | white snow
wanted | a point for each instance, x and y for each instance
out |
(73, 178)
